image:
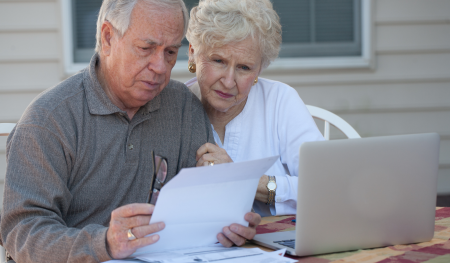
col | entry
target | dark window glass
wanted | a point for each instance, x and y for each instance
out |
(311, 28)
(319, 28)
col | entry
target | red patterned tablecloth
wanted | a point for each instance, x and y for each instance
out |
(435, 251)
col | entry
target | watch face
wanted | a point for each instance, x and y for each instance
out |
(272, 186)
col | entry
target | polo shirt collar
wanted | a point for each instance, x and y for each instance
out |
(97, 100)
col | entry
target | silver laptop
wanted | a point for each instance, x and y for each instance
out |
(362, 193)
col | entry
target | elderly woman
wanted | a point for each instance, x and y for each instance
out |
(231, 42)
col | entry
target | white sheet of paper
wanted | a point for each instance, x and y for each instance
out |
(216, 254)
(197, 203)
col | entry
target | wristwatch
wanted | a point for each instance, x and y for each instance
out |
(271, 186)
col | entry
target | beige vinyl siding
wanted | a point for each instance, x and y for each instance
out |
(29, 46)
(23, 15)
(30, 58)
(2, 167)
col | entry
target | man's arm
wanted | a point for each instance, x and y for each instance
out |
(37, 199)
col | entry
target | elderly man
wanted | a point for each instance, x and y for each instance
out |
(80, 160)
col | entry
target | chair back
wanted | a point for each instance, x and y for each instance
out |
(5, 130)
(331, 118)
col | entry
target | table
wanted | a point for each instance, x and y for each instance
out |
(435, 251)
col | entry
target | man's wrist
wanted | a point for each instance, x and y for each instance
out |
(101, 249)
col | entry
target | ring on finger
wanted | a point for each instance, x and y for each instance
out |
(130, 234)
(211, 163)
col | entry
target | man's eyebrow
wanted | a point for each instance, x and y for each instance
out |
(154, 43)
(177, 45)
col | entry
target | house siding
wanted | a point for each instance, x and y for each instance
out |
(30, 58)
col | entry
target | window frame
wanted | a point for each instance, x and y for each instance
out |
(345, 62)
(365, 60)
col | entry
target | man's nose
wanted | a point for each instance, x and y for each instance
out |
(157, 62)
(228, 78)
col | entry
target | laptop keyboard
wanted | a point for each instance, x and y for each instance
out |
(287, 243)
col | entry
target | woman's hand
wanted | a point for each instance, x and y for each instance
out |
(262, 193)
(209, 152)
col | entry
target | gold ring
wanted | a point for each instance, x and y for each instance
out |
(130, 235)
(211, 163)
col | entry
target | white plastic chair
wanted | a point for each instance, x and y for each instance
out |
(6, 128)
(331, 118)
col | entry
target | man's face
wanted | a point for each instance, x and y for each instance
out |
(140, 63)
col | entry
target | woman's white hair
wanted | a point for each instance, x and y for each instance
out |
(118, 13)
(214, 23)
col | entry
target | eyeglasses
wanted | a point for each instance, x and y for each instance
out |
(159, 177)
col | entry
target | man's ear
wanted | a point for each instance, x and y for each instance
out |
(107, 35)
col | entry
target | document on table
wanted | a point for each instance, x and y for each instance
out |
(218, 254)
(212, 254)
(197, 203)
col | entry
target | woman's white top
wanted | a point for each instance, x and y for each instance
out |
(274, 121)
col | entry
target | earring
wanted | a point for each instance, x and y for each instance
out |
(256, 81)
(191, 67)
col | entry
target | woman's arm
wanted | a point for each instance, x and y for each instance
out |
(294, 126)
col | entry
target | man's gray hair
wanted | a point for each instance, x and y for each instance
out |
(118, 13)
(215, 23)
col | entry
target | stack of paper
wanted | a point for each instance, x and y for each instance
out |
(213, 254)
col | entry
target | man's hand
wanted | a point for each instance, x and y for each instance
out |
(238, 234)
(209, 152)
(137, 218)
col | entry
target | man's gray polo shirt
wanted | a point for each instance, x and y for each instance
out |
(74, 157)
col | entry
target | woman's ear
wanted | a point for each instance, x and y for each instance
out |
(106, 36)
(191, 53)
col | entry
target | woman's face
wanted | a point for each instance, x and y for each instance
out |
(226, 74)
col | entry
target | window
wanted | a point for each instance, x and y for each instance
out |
(320, 28)
(84, 17)
(316, 33)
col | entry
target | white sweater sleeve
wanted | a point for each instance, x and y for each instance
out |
(286, 195)
(294, 127)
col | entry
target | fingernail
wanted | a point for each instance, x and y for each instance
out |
(250, 217)
(234, 228)
(161, 225)
(155, 238)
(227, 231)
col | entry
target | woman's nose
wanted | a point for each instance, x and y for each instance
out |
(228, 80)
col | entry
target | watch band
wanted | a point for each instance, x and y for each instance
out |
(271, 186)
